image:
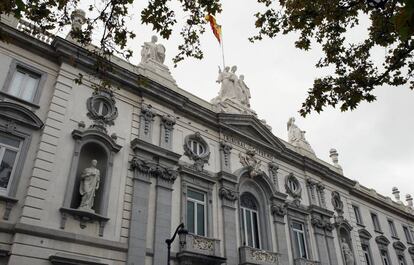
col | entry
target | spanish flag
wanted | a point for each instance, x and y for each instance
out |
(214, 26)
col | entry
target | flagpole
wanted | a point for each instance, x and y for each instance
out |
(222, 49)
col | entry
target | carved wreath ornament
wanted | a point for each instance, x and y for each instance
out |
(197, 149)
(101, 108)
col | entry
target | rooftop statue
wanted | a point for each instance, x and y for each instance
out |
(296, 136)
(234, 95)
(152, 50)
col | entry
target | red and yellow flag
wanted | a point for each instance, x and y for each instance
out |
(214, 26)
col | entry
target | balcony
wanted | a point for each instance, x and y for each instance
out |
(200, 250)
(302, 261)
(253, 256)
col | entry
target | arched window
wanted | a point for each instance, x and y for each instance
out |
(250, 220)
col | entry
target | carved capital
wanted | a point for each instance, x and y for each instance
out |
(228, 194)
(168, 122)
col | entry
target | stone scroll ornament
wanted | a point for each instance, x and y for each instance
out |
(252, 164)
(89, 184)
(101, 109)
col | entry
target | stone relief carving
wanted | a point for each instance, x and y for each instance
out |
(293, 188)
(152, 50)
(273, 168)
(337, 203)
(203, 243)
(348, 255)
(279, 209)
(153, 169)
(147, 114)
(234, 95)
(318, 222)
(251, 162)
(197, 149)
(321, 191)
(296, 136)
(264, 256)
(226, 149)
(101, 109)
(227, 194)
(168, 123)
(89, 184)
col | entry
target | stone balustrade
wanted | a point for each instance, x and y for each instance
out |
(201, 245)
(255, 256)
(302, 261)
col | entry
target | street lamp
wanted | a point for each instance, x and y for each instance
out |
(180, 231)
(377, 3)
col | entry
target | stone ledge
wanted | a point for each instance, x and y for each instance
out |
(70, 259)
(83, 217)
(10, 202)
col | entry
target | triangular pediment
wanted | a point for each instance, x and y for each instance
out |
(250, 128)
(19, 114)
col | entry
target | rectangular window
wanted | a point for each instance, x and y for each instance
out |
(392, 228)
(375, 222)
(299, 240)
(401, 260)
(357, 214)
(250, 225)
(9, 152)
(384, 257)
(407, 234)
(196, 212)
(367, 254)
(24, 84)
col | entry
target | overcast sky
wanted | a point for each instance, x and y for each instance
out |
(375, 142)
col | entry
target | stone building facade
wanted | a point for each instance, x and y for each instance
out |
(165, 157)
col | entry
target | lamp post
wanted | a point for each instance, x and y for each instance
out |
(180, 231)
(377, 3)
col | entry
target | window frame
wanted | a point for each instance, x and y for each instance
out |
(196, 203)
(376, 229)
(367, 253)
(393, 229)
(294, 232)
(256, 237)
(14, 66)
(358, 216)
(190, 181)
(3, 148)
(408, 234)
(387, 256)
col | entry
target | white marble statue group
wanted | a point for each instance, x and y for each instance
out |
(153, 51)
(233, 88)
(296, 136)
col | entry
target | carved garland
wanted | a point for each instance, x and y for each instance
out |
(153, 169)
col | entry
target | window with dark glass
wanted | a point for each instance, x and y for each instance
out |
(375, 222)
(385, 258)
(392, 228)
(299, 240)
(196, 212)
(401, 260)
(24, 84)
(407, 234)
(250, 220)
(357, 214)
(367, 254)
(197, 147)
(9, 152)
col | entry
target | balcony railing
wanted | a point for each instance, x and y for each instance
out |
(250, 255)
(35, 31)
(302, 261)
(201, 245)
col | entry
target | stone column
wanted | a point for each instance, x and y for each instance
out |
(229, 198)
(139, 217)
(279, 211)
(162, 219)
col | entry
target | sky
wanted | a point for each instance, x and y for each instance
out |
(375, 142)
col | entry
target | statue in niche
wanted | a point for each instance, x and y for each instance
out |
(89, 184)
(152, 50)
(296, 136)
(348, 255)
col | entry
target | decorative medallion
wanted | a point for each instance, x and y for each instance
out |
(101, 109)
(197, 149)
(337, 203)
(251, 163)
(293, 188)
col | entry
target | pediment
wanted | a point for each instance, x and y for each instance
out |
(364, 234)
(250, 128)
(382, 240)
(19, 114)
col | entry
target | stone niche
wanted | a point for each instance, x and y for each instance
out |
(90, 144)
